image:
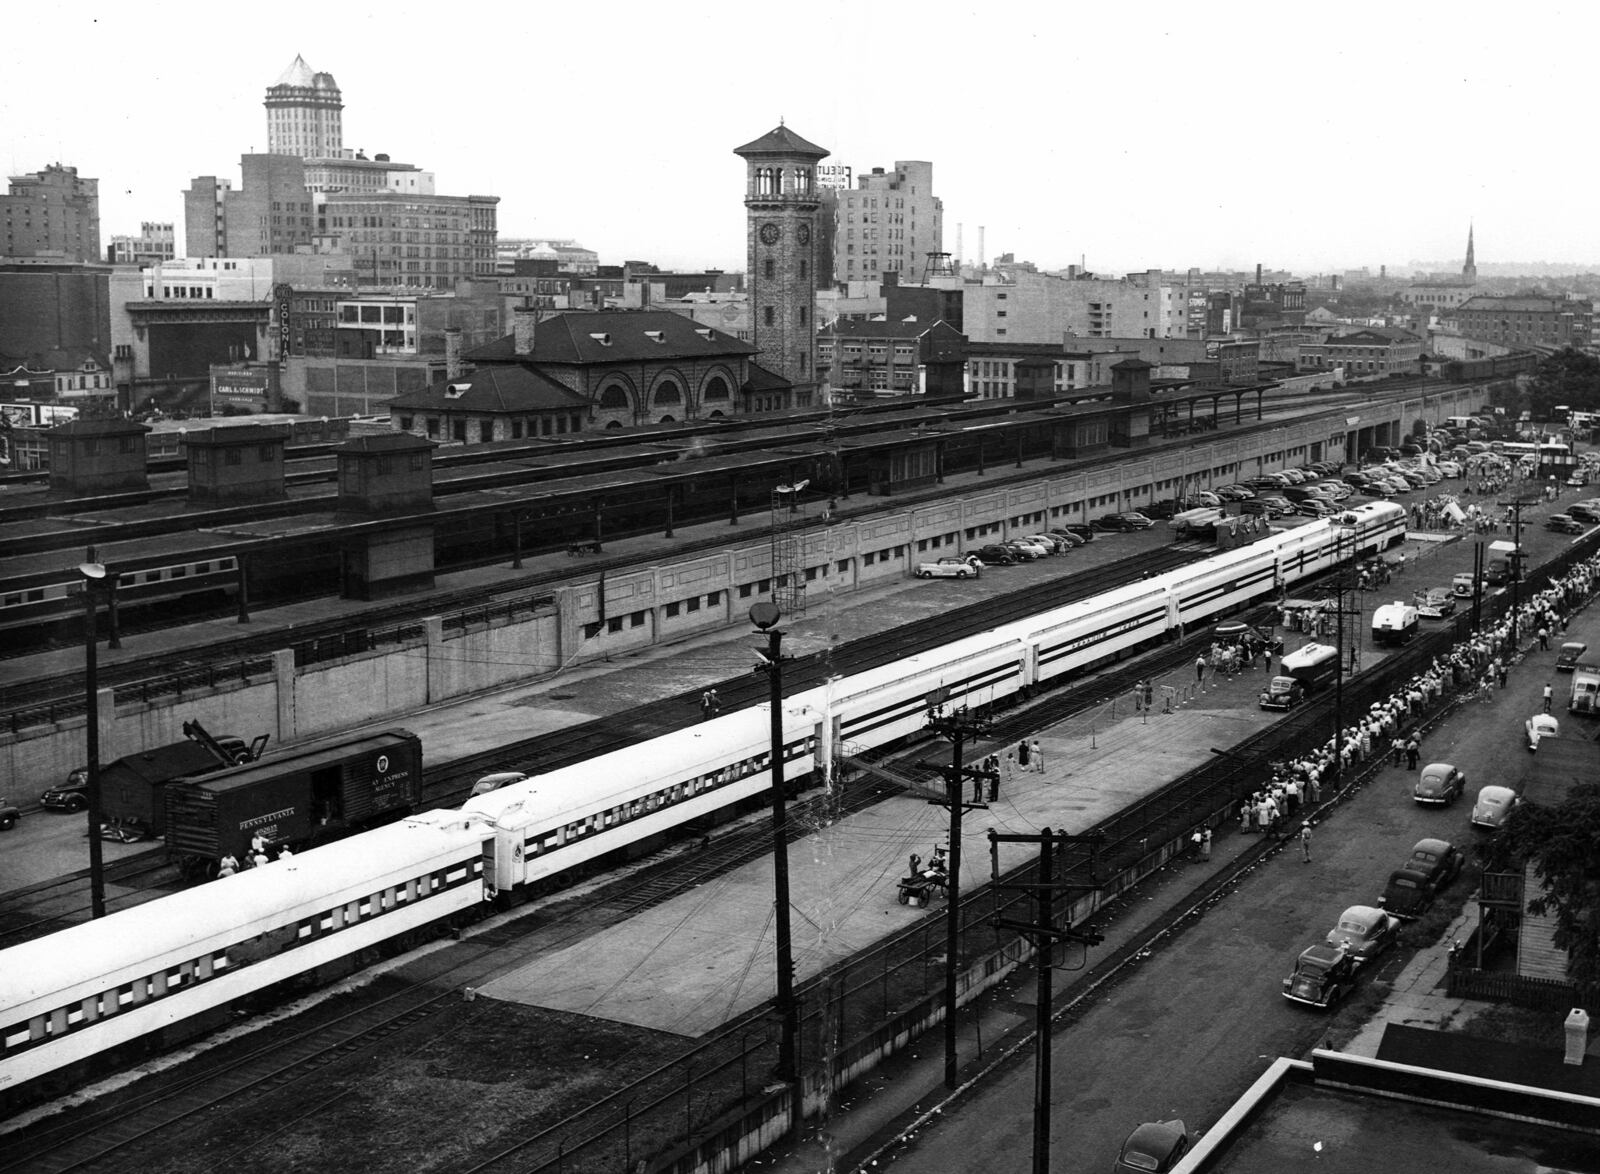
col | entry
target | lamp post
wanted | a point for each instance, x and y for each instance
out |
(764, 616)
(93, 575)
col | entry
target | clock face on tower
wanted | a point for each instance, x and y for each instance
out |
(803, 234)
(769, 234)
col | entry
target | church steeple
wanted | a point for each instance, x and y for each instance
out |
(1469, 271)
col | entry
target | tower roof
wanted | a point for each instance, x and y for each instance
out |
(298, 74)
(780, 140)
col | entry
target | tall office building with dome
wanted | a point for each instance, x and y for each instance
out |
(303, 113)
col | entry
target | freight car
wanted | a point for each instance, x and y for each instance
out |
(297, 798)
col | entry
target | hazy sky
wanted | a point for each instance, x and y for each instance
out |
(1132, 136)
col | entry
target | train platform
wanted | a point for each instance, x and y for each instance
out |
(699, 960)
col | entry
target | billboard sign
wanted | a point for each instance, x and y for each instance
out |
(239, 384)
(833, 176)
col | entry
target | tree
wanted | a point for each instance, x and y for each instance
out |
(1562, 842)
(1568, 377)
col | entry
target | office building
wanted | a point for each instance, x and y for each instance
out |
(887, 224)
(304, 111)
(53, 214)
(155, 244)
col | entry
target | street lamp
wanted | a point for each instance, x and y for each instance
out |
(764, 616)
(93, 575)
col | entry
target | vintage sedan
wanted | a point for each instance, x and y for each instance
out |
(1153, 1148)
(1584, 511)
(1571, 653)
(1436, 603)
(995, 555)
(1323, 974)
(1364, 931)
(1493, 805)
(1128, 520)
(1432, 865)
(951, 567)
(9, 814)
(1563, 524)
(1439, 783)
(1539, 727)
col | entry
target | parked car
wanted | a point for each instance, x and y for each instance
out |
(1436, 603)
(1432, 865)
(1129, 520)
(1067, 536)
(1323, 974)
(1365, 931)
(1539, 727)
(995, 555)
(1083, 530)
(1569, 656)
(951, 567)
(1463, 585)
(1023, 551)
(1203, 497)
(1563, 524)
(1584, 511)
(1439, 783)
(1241, 492)
(1282, 693)
(1153, 1148)
(1050, 542)
(9, 814)
(1314, 508)
(1493, 805)
(71, 795)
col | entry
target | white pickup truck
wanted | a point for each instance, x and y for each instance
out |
(950, 567)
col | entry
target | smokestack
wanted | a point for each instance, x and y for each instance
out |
(982, 260)
(523, 320)
(452, 352)
(1258, 272)
(959, 229)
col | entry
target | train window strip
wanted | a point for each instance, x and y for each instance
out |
(182, 976)
(543, 842)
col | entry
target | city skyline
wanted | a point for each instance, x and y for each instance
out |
(1066, 137)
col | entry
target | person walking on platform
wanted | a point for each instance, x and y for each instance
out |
(1011, 763)
(994, 787)
(1036, 756)
(1413, 752)
(1200, 669)
(710, 705)
(1022, 756)
(1205, 844)
(1305, 842)
(228, 866)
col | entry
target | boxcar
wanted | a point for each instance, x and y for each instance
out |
(299, 797)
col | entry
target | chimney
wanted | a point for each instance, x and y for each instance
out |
(523, 320)
(452, 352)
(1258, 272)
(1577, 1027)
(981, 258)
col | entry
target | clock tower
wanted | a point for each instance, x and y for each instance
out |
(781, 202)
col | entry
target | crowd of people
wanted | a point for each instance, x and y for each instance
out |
(1389, 729)
(256, 857)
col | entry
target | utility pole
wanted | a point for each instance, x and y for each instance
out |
(1516, 505)
(958, 726)
(765, 617)
(1044, 935)
(1345, 582)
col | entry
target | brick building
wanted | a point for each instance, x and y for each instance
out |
(887, 224)
(1365, 354)
(864, 360)
(53, 213)
(1525, 321)
(589, 371)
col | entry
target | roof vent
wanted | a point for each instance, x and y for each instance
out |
(704, 332)
(456, 390)
(602, 339)
(655, 336)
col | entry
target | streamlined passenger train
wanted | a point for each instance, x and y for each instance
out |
(75, 1002)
